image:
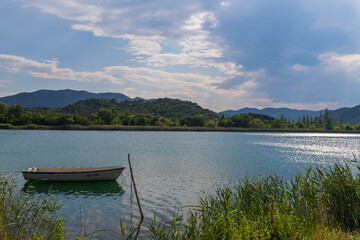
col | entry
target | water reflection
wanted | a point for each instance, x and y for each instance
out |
(100, 188)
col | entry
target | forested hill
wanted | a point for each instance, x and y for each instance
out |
(57, 98)
(164, 107)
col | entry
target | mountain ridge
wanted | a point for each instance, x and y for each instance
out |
(345, 114)
(58, 98)
(65, 97)
(288, 113)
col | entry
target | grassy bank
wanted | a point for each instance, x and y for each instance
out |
(23, 216)
(321, 203)
(166, 128)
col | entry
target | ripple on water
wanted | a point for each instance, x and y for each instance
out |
(171, 168)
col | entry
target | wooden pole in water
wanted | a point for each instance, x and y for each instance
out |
(137, 198)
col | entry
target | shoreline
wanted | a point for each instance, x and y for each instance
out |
(165, 129)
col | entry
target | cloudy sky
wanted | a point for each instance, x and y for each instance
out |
(223, 55)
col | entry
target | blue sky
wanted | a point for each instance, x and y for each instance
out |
(223, 55)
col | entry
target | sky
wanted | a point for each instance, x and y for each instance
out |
(225, 54)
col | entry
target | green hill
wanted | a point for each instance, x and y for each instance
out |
(164, 107)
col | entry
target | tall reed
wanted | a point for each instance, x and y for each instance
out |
(23, 216)
(314, 204)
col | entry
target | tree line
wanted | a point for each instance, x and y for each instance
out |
(16, 115)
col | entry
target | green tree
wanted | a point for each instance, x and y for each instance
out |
(50, 119)
(223, 121)
(106, 116)
(301, 125)
(349, 126)
(328, 122)
(277, 123)
(16, 115)
(256, 123)
(37, 118)
(3, 112)
(242, 120)
(195, 121)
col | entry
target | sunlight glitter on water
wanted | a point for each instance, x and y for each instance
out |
(326, 147)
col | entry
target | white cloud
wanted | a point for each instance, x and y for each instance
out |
(157, 79)
(49, 69)
(5, 94)
(117, 18)
(347, 64)
(141, 81)
(146, 26)
(196, 21)
(140, 45)
(224, 4)
(202, 89)
(331, 83)
(182, 35)
(113, 74)
(300, 67)
(68, 9)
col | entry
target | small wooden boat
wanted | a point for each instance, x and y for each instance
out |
(73, 174)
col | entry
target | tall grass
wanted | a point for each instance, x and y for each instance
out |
(23, 216)
(319, 203)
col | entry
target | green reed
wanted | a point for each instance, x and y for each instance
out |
(23, 216)
(319, 203)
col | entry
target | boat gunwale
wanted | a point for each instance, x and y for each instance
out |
(85, 170)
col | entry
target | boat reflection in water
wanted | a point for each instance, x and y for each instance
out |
(101, 188)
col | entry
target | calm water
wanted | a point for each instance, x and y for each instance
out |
(171, 168)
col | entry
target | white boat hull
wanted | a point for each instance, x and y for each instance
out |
(73, 174)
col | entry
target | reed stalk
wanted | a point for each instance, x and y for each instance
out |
(318, 203)
(23, 216)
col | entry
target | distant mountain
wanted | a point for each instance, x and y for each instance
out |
(348, 115)
(58, 98)
(165, 107)
(290, 114)
(85, 103)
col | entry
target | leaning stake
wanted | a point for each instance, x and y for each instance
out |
(137, 198)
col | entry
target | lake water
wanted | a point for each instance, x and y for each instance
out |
(171, 169)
